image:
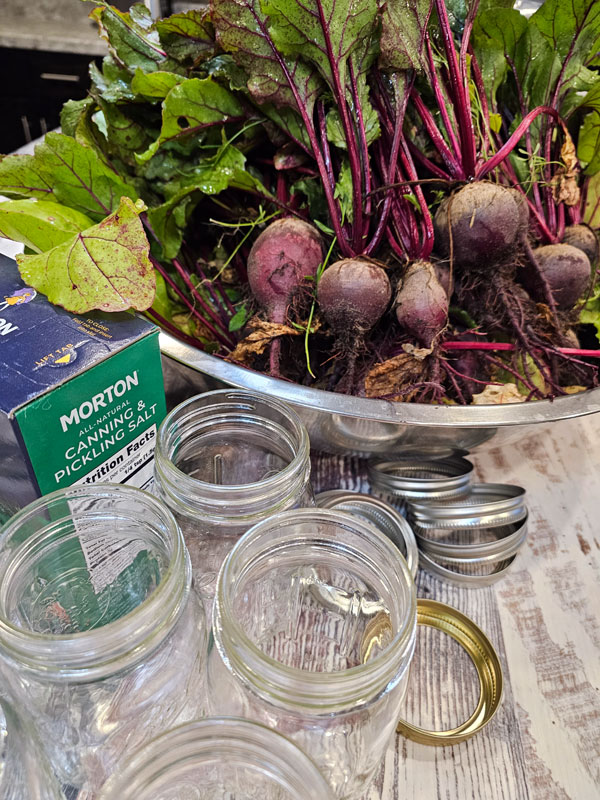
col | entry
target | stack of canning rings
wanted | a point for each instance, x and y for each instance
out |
(467, 533)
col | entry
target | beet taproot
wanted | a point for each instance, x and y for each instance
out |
(353, 295)
(482, 221)
(284, 256)
(566, 270)
(584, 238)
(421, 303)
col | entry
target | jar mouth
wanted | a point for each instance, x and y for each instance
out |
(44, 566)
(218, 741)
(190, 434)
(274, 539)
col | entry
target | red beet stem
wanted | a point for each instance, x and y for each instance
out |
(568, 351)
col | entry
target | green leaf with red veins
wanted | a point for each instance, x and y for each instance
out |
(21, 176)
(242, 30)
(187, 36)
(65, 171)
(569, 27)
(131, 44)
(191, 107)
(403, 28)
(155, 85)
(326, 32)
(105, 267)
(40, 224)
(495, 37)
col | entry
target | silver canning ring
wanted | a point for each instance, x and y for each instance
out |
(378, 513)
(502, 547)
(467, 581)
(422, 478)
(485, 506)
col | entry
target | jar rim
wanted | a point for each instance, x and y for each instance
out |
(202, 737)
(282, 682)
(125, 640)
(186, 489)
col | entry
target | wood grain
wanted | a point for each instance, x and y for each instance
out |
(544, 620)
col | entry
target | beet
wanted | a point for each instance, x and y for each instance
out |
(285, 254)
(421, 303)
(567, 271)
(485, 219)
(353, 295)
(584, 238)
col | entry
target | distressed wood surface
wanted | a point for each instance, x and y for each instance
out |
(543, 618)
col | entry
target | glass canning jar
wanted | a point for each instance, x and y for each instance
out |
(314, 626)
(218, 757)
(102, 639)
(224, 461)
(25, 773)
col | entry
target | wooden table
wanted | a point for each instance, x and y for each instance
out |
(543, 619)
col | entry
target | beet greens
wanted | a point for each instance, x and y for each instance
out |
(446, 155)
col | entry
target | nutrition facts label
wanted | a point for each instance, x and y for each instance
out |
(131, 465)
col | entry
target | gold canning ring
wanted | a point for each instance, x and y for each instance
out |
(485, 659)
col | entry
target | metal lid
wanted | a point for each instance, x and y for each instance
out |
(465, 579)
(425, 452)
(485, 505)
(422, 477)
(487, 664)
(378, 513)
(507, 540)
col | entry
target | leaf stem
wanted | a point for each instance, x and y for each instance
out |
(460, 94)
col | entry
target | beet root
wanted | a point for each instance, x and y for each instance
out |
(421, 303)
(565, 269)
(584, 238)
(484, 221)
(285, 254)
(353, 295)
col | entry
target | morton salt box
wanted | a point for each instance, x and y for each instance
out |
(81, 395)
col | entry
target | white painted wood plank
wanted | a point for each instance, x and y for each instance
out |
(544, 620)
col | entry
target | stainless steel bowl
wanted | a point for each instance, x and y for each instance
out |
(357, 425)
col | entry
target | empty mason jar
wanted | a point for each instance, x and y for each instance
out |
(102, 638)
(25, 773)
(314, 626)
(218, 758)
(224, 461)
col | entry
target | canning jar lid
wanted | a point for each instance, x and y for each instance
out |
(485, 660)
(507, 539)
(380, 514)
(483, 506)
(421, 477)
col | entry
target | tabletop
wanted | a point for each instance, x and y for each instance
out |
(543, 618)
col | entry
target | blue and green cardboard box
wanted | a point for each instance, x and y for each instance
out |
(81, 396)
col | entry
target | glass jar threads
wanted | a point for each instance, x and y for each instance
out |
(102, 639)
(218, 757)
(224, 461)
(314, 627)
